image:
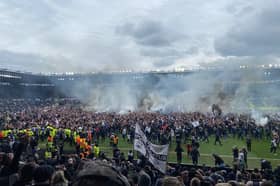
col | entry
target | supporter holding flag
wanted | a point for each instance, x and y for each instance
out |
(155, 154)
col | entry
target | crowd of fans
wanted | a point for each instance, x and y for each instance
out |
(24, 124)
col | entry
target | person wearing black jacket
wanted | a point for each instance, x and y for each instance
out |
(26, 175)
(248, 143)
(10, 163)
(218, 137)
(219, 162)
(179, 151)
(235, 153)
(195, 155)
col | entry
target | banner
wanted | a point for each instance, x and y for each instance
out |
(195, 123)
(156, 154)
(140, 141)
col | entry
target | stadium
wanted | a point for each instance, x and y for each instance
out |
(20, 85)
(139, 93)
(19, 89)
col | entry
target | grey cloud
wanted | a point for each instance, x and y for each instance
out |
(34, 62)
(164, 62)
(7, 57)
(162, 57)
(256, 37)
(20, 61)
(30, 10)
(240, 8)
(245, 10)
(150, 33)
(168, 52)
(192, 50)
(158, 52)
(61, 36)
(154, 40)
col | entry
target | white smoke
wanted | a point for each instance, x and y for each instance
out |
(259, 118)
(175, 93)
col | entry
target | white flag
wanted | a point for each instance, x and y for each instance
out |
(195, 123)
(156, 154)
(140, 140)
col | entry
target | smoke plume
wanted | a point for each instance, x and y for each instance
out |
(235, 91)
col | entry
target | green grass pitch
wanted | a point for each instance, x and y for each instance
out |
(260, 150)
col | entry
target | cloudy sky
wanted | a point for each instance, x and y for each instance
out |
(102, 35)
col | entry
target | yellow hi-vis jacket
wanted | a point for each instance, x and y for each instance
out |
(96, 151)
(48, 155)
